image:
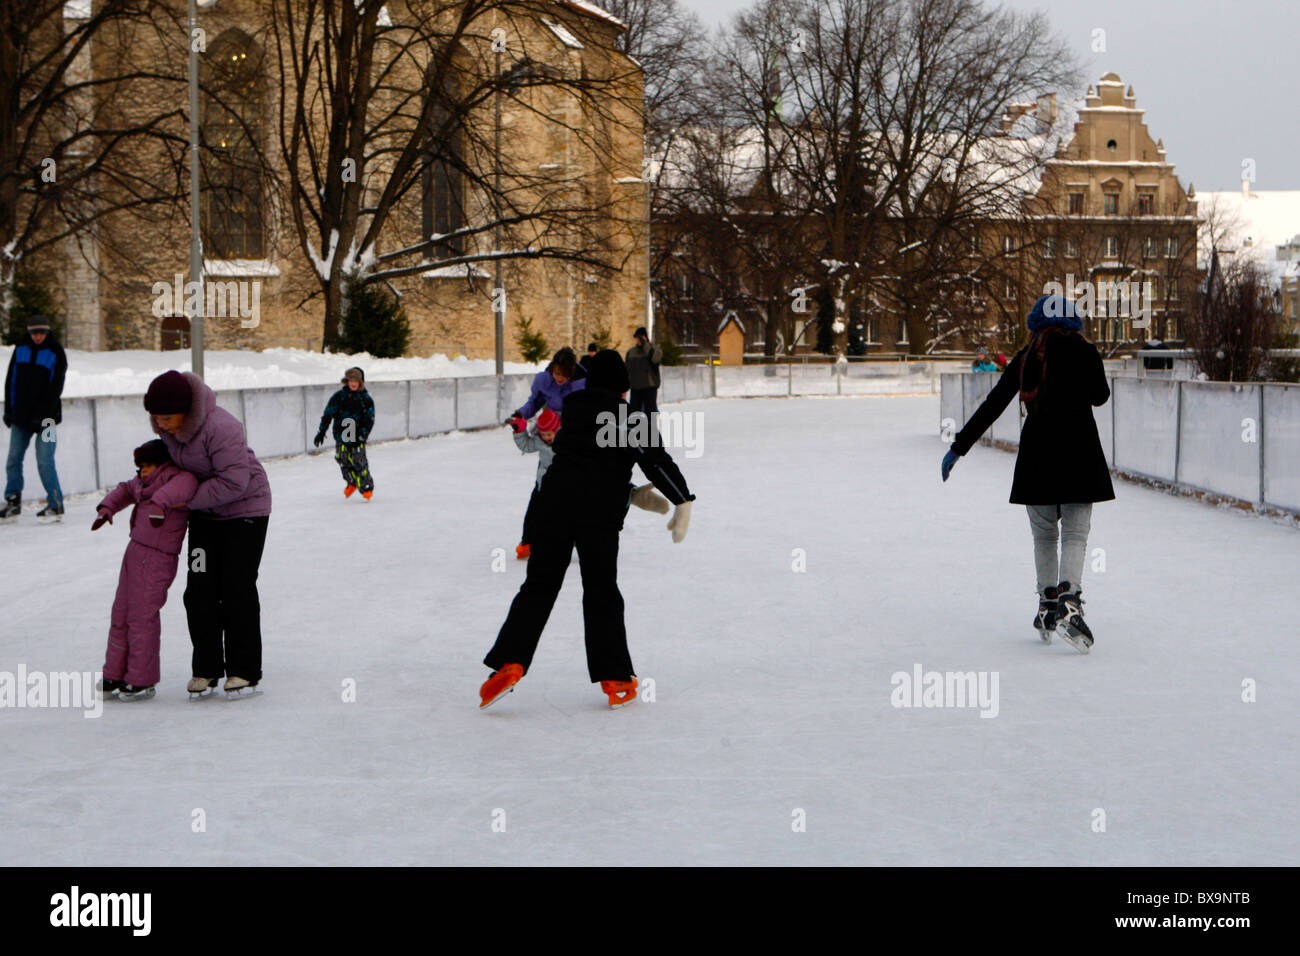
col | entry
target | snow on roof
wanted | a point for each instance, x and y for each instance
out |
(730, 317)
(563, 33)
(77, 10)
(592, 10)
(1256, 225)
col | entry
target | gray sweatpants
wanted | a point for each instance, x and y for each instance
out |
(1074, 523)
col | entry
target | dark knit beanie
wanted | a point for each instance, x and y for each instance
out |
(38, 323)
(640, 333)
(169, 394)
(354, 374)
(607, 371)
(152, 453)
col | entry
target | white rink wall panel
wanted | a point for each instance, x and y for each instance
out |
(1104, 416)
(273, 427)
(518, 388)
(1146, 430)
(433, 407)
(1219, 438)
(315, 398)
(390, 410)
(950, 403)
(1007, 425)
(121, 424)
(477, 407)
(1282, 446)
(233, 402)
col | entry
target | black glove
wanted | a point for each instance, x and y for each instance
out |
(104, 516)
(319, 439)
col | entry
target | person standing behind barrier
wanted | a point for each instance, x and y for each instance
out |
(643, 361)
(33, 407)
(351, 410)
(1061, 470)
(585, 361)
(228, 520)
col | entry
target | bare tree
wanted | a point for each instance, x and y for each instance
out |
(1235, 322)
(380, 111)
(78, 146)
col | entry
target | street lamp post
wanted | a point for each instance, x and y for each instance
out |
(498, 290)
(196, 240)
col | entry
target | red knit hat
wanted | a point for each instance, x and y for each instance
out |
(548, 421)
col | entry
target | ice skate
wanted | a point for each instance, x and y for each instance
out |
(12, 509)
(367, 495)
(347, 492)
(109, 688)
(200, 687)
(499, 684)
(1071, 626)
(238, 688)
(50, 514)
(129, 692)
(620, 692)
(1045, 619)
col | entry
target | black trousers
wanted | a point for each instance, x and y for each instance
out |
(221, 603)
(530, 519)
(643, 400)
(602, 604)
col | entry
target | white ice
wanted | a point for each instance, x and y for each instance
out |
(772, 686)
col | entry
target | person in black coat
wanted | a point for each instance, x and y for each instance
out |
(33, 406)
(351, 411)
(581, 504)
(1060, 470)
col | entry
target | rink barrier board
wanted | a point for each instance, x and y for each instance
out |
(1239, 442)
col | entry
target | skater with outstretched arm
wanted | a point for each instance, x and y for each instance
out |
(1060, 468)
(581, 504)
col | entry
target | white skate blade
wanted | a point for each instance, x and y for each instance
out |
(1044, 634)
(1078, 641)
(243, 692)
(199, 695)
(147, 695)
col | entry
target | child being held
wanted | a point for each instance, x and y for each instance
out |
(160, 492)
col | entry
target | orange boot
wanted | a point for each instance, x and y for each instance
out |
(499, 684)
(347, 492)
(523, 552)
(621, 692)
(366, 494)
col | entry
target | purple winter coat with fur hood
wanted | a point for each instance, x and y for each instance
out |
(211, 445)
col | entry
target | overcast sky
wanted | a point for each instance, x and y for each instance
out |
(1218, 80)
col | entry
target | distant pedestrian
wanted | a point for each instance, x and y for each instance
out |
(585, 361)
(33, 407)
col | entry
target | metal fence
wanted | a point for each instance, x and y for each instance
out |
(1239, 441)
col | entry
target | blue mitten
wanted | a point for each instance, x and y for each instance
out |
(949, 460)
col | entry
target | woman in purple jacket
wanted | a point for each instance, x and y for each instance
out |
(563, 376)
(228, 518)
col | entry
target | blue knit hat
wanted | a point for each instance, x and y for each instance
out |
(1054, 310)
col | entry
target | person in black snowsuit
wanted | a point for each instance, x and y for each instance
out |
(582, 502)
(33, 398)
(1060, 470)
(351, 410)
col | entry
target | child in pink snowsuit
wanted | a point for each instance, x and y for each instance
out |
(160, 493)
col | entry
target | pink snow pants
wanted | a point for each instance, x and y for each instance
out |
(135, 630)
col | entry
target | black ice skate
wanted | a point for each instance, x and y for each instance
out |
(12, 509)
(109, 688)
(129, 692)
(50, 513)
(1070, 624)
(1045, 619)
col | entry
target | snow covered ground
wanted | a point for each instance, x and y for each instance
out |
(129, 372)
(773, 686)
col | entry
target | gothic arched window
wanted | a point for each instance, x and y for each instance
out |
(234, 97)
(443, 182)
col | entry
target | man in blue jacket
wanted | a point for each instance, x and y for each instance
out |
(33, 406)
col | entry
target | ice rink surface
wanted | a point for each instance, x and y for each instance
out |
(772, 738)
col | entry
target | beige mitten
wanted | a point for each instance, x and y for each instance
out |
(680, 521)
(645, 498)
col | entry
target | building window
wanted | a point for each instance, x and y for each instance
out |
(1009, 245)
(1009, 290)
(234, 96)
(1071, 248)
(1151, 248)
(442, 183)
(1173, 289)
(1146, 204)
(1049, 247)
(871, 331)
(902, 333)
(1076, 204)
(1171, 248)
(1112, 204)
(973, 245)
(1111, 247)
